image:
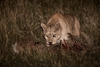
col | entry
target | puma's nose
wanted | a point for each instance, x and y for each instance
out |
(50, 43)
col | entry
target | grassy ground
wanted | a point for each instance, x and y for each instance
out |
(20, 20)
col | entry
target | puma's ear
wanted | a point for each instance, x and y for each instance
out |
(57, 26)
(43, 26)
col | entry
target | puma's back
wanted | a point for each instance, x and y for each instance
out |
(58, 27)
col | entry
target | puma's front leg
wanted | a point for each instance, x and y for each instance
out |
(64, 43)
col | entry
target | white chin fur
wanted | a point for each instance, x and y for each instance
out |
(48, 45)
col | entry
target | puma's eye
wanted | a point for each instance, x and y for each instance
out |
(54, 35)
(46, 36)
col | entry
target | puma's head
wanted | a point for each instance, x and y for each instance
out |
(52, 33)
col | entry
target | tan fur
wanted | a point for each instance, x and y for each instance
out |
(59, 25)
(22, 46)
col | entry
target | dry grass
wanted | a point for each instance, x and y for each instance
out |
(21, 19)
